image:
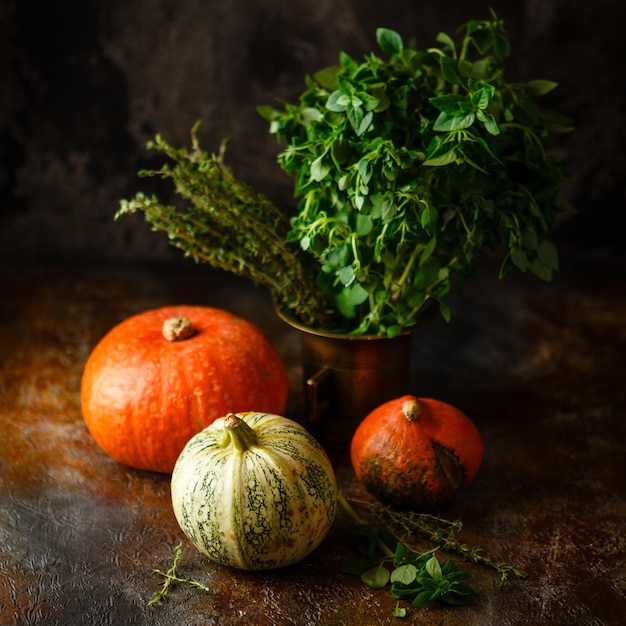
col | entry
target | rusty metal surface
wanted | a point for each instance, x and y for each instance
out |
(540, 369)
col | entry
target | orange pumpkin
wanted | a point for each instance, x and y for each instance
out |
(160, 377)
(416, 452)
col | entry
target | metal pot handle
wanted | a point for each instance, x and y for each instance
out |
(316, 405)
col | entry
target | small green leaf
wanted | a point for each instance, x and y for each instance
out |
(266, 112)
(400, 591)
(355, 116)
(428, 220)
(483, 96)
(444, 309)
(447, 103)
(364, 224)
(530, 239)
(327, 77)
(365, 123)
(446, 40)
(398, 611)
(345, 307)
(319, 170)
(540, 270)
(369, 102)
(502, 46)
(548, 254)
(346, 275)
(390, 41)
(380, 93)
(463, 589)
(489, 121)
(428, 251)
(356, 294)
(433, 567)
(457, 121)
(399, 554)
(423, 600)
(540, 87)
(394, 331)
(376, 577)
(365, 170)
(450, 71)
(337, 102)
(519, 259)
(442, 159)
(389, 210)
(483, 38)
(404, 574)
(311, 115)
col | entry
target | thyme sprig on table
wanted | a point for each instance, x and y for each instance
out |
(391, 555)
(230, 226)
(171, 577)
(409, 526)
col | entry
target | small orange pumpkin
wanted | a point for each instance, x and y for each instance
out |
(416, 452)
(160, 377)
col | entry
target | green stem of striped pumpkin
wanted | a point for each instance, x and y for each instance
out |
(239, 434)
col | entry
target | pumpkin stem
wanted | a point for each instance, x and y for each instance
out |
(177, 329)
(411, 409)
(240, 434)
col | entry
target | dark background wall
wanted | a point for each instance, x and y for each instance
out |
(86, 83)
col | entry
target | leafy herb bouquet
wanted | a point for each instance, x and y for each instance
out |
(404, 170)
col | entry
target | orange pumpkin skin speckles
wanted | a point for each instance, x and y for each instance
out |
(144, 396)
(414, 453)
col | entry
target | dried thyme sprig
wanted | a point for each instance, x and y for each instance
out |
(171, 577)
(230, 226)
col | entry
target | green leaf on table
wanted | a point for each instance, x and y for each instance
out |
(376, 577)
(404, 574)
(398, 611)
(433, 567)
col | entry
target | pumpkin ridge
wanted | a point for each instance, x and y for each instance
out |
(278, 523)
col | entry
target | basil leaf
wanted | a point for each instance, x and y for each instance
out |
(390, 42)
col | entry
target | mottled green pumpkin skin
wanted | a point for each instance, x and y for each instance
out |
(263, 508)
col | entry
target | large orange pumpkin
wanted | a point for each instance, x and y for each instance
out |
(416, 452)
(160, 377)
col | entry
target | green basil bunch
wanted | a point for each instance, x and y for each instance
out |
(406, 167)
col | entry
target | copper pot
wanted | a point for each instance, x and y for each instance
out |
(345, 377)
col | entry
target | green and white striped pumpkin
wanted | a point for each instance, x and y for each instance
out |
(254, 491)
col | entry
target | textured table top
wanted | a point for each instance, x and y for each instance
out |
(539, 368)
